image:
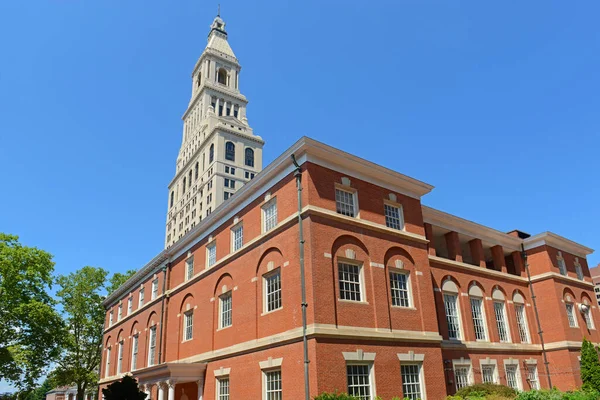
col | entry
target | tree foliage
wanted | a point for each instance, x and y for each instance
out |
(125, 389)
(590, 366)
(80, 296)
(117, 279)
(30, 328)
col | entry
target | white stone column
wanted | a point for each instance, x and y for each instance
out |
(200, 388)
(171, 390)
(161, 390)
(217, 106)
(146, 388)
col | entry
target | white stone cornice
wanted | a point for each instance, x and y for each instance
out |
(475, 269)
(490, 346)
(558, 242)
(559, 277)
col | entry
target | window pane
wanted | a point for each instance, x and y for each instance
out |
(393, 217)
(349, 280)
(273, 291)
(223, 389)
(500, 313)
(270, 216)
(226, 310)
(478, 320)
(461, 376)
(358, 381)
(487, 373)
(188, 325)
(189, 273)
(532, 376)
(273, 385)
(344, 202)
(399, 288)
(522, 323)
(571, 315)
(511, 376)
(212, 255)
(452, 316)
(238, 238)
(411, 381)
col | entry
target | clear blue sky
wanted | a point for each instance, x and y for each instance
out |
(494, 103)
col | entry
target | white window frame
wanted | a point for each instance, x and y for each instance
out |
(419, 365)
(513, 363)
(265, 376)
(406, 274)
(562, 267)
(129, 305)
(107, 364)
(487, 362)
(120, 357)
(504, 321)
(571, 316)
(587, 317)
(211, 254)
(371, 375)
(579, 271)
(188, 325)
(110, 318)
(135, 344)
(533, 367)
(269, 222)
(141, 298)
(482, 318)
(353, 195)
(120, 311)
(189, 268)
(463, 363)
(400, 218)
(361, 280)
(266, 277)
(219, 381)
(151, 348)
(237, 242)
(154, 288)
(458, 317)
(222, 311)
(522, 323)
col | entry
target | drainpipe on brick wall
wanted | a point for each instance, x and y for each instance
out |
(162, 312)
(537, 316)
(298, 175)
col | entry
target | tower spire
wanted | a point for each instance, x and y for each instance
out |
(219, 10)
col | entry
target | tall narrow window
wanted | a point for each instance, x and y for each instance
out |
(141, 298)
(571, 315)
(359, 381)
(222, 76)
(223, 389)
(154, 288)
(488, 373)
(152, 346)
(393, 217)
(189, 268)
(119, 312)
(211, 153)
(129, 305)
(462, 376)
(196, 169)
(273, 390)
(500, 312)
(237, 237)
(579, 271)
(184, 181)
(532, 376)
(478, 318)
(512, 376)
(249, 157)
(273, 291)
(110, 318)
(188, 325)
(211, 255)
(411, 381)
(190, 179)
(120, 359)
(349, 281)
(226, 310)
(586, 310)
(399, 289)
(344, 203)
(230, 151)
(172, 199)
(107, 366)
(134, 351)
(452, 317)
(269, 215)
(522, 323)
(562, 267)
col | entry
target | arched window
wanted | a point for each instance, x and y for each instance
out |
(211, 153)
(230, 151)
(190, 178)
(249, 161)
(222, 76)
(199, 79)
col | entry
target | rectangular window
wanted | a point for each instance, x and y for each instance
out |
(226, 182)
(237, 237)
(107, 366)
(226, 195)
(152, 346)
(119, 312)
(579, 271)
(110, 318)
(512, 376)
(129, 305)
(188, 323)
(462, 376)
(141, 299)
(393, 217)
(359, 382)
(411, 381)
(273, 291)
(273, 389)
(155, 289)
(225, 314)
(478, 318)
(349, 280)
(500, 313)
(134, 351)
(562, 267)
(344, 203)
(269, 216)
(522, 323)
(588, 317)
(532, 377)
(223, 389)
(120, 358)
(399, 289)
(189, 268)
(571, 315)
(488, 373)
(211, 252)
(452, 317)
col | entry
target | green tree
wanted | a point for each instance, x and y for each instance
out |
(80, 296)
(118, 279)
(29, 325)
(125, 389)
(590, 366)
(39, 393)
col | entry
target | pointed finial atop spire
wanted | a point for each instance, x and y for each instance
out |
(219, 10)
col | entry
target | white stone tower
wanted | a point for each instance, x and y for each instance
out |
(219, 152)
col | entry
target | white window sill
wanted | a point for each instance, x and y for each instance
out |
(353, 301)
(225, 327)
(404, 308)
(271, 312)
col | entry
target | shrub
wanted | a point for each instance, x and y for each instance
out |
(334, 396)
(555, 394)
(483, 390)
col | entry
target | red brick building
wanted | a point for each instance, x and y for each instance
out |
(403, 299)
